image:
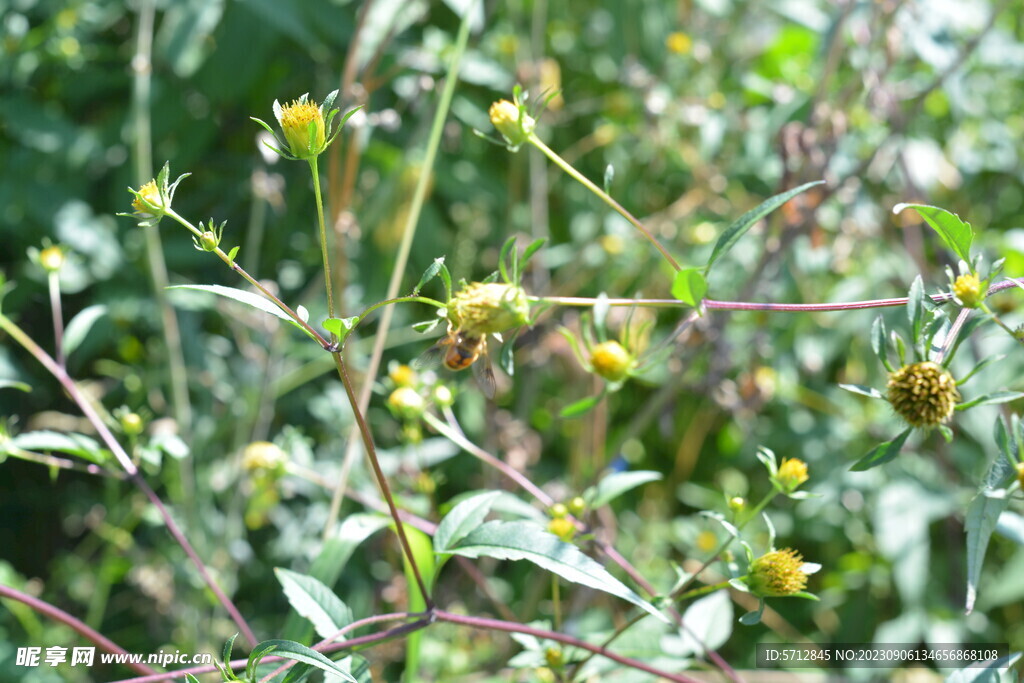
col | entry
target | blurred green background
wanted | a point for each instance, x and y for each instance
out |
(702, 108)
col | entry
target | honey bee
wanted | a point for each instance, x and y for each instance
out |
(459, 350)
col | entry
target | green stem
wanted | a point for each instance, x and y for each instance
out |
(703, 590)
(605, 197)
(313, 168)
(416, 206)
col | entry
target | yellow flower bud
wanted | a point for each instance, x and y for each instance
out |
(578, 506)
(295, 121)
(149, 192)
(792, 473)
(559, 510)
(554, 657)
(923, 394)
(442, 396)
(968, 290)
(402, 376)
(263, 455)
(563, 528)
(777, 574)
(737, 503)
(405, 403)
(1020, 474)
(505, 116)
(678, 43)
(611, 361)
(51, 259)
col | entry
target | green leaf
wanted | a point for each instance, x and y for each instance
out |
(289, 649)
(341, 327)
(615, 484)
(609, 176)
(232, 254)
(314, 601)
(532, 249)
(982, 517)
(581, 406)
(13, 384)
(989, 399)
(463, 518)
(741, 225)
(429, 274)
(882, 453)
(878, 345)
(506, 249)
(870, 392)
(79, 445)
(689, 286)
(753, 617)
(956, 234)
(248, 298)
(527, 541)
(915, 311)
(79, 326)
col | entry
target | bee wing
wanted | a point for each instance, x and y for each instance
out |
(483, 373)
(431, 358)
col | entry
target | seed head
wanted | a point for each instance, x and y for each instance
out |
(488, 308)
(924, 394)
(611, 361)
(777, 574)
(968, 290)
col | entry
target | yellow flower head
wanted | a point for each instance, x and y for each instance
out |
(924, 394)
(777, 574)
(406, 403)
(402, 376)
(149, 192)
(563, 528)
(263, 455)
(792, 473)
(611, 361)
(506, 119)
(295, 122)
(968, 289)
(1020, 474)
(679, 43)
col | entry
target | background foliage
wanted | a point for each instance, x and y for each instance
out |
(702, 108)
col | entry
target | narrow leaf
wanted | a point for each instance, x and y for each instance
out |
(982, 517)
(506, 249)
(989, 399)
(689, 286)
(13, 384)
(615, 484)
(79, 445)
(742, 224)
(314, 601)
(870, 392)
(247, 298)
(78, 329)
(882, 453)
(527, 541)
(878, 345)
(580, 407)
(532, 249)
(956, 234)
(915, 309)
(609, 176)
(232, 254)
(429, 274)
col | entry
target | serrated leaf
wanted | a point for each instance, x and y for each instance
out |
(80, 445)
(289, 649)
(989, 399)
(882, 453)
(462, 519)
(527, 541)
(870, 392)
(581, 406)
(79, 326)
(248, 298)
(229, 645)
(741, 225)
(615, 484)
(314, 601)
(689, 286)
(956, 234)
(13, 384)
